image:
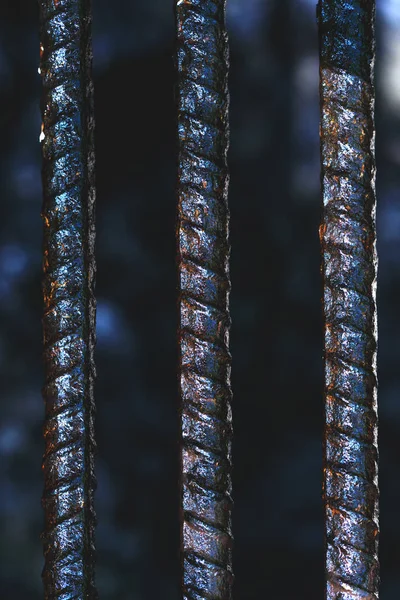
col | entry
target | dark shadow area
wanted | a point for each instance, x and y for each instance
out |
(21, 373)
(277, 321)
(137, 404)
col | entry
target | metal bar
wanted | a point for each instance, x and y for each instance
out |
(203, 255)
(347, 49)
(69, 305)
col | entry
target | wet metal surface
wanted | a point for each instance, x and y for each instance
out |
(202, 63)
(69, 306)
(349, 268)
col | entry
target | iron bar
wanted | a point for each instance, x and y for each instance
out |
(203, 255)
(69, 305)
(347, 48)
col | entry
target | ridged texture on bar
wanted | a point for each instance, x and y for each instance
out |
(203, 249)
(69, 305)
(349, 268)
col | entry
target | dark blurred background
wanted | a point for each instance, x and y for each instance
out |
(276, 338)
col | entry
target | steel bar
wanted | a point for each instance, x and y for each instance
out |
(347, 48)
(203, 255)
(69, 305)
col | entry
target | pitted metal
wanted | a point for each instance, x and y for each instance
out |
(69, 305)
(349, 270)
(203, 256)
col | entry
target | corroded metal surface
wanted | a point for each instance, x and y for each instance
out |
(349, 267)
(69, 306)
(203, 248)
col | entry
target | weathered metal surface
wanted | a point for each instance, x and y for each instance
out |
(69, 305)
(203, 249)
(349, 267)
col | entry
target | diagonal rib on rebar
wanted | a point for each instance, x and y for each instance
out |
(69, 305)
(349, 269)
(203, 254)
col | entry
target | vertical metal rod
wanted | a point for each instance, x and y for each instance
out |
(203, 255)
(347, 48)
(69, 305)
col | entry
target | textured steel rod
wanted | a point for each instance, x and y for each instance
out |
(69, 305)
(203, 255)
(347, 50)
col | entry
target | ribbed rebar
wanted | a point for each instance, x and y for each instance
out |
(203, 254)
(349, 266)
(69, 305)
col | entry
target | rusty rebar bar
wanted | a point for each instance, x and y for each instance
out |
(203, 255)
(347, 50)
(69, 305)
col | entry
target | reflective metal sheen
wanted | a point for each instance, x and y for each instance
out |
(69, 305)
(203, 255)
(347, 48)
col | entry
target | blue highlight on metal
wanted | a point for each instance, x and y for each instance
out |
(349, 268)
(203, 254)
(69, 305)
